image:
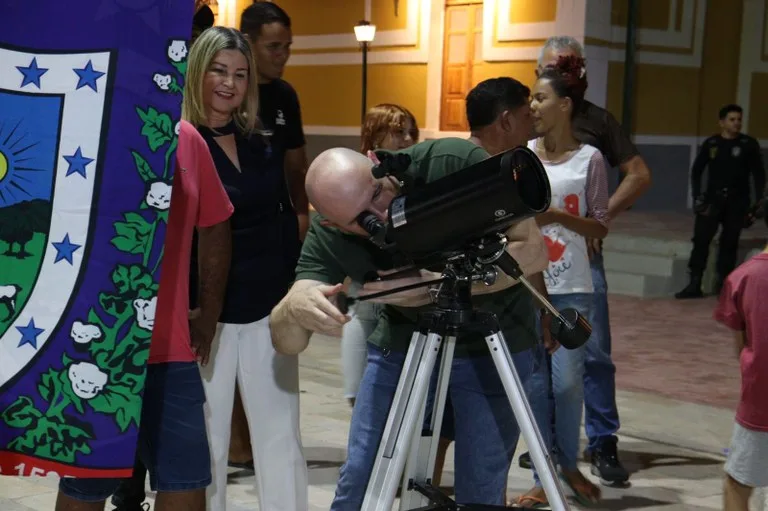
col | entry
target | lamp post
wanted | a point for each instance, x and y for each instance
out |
(364, 33)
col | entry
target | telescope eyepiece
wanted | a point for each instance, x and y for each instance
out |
(370, 223)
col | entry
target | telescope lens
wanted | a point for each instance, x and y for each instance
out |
(531, 180)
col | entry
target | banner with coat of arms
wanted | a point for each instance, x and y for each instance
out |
(90, 101)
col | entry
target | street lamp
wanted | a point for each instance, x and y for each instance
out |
(365, 33)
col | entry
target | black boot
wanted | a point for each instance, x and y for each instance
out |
(692, 290)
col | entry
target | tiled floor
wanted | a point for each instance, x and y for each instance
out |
(678, 380)
(674, 348)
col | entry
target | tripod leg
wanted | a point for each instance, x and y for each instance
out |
(421, 459)
(525, 420)
(404, 415)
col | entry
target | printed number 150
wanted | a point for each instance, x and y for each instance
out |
(21, 469)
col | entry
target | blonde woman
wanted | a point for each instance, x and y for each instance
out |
(221, 100)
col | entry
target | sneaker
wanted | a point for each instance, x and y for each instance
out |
(525, 461)
(606, 465)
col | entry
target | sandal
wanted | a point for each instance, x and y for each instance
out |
(530, 501)
(584, 491)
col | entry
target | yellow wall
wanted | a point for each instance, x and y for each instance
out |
(337, 16)
(650, 13)
(669, 100)
(330, 95)
(672, 100)
(532, 11)
(666, 98)
(758, 112)
(524, 72)
(323, 17)
(383, 14)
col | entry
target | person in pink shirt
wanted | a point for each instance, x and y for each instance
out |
(743, 308)
(173, 443)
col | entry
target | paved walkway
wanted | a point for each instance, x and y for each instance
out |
(678, 379)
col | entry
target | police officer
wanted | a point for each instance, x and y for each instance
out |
(730, 158)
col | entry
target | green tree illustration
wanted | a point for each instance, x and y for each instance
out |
(116, 334)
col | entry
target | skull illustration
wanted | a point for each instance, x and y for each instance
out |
(177, 128)
(145, 312)
(83, 333)
(162, 81)
(159, 195)
(177, 50)
(87, 379)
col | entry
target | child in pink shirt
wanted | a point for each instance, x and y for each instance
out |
(743, 308)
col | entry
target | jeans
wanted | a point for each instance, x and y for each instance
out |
(567, 380)
(601, 416)
(354, 342)
(486, 430)
(172, 443)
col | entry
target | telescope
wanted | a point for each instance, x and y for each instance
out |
(464, 216)
(459, 223)
(442, 216)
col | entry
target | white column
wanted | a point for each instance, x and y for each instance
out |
(435, 62)
(752, 45)
(597, 24)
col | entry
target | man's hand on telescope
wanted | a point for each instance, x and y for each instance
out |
(411, 298)
(314, 309)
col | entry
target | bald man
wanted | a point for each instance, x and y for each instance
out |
(340, 185)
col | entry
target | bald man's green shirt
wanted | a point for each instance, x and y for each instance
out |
(330, 255)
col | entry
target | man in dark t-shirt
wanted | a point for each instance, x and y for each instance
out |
(269, 29)
(597, 127)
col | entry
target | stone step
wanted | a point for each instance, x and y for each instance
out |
(644, 286)
(644, 264)
(647, 245)
(654, 276)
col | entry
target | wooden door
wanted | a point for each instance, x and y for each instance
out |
(462, 47)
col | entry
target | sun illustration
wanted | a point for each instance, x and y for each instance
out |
(3, 165)
(24, 173)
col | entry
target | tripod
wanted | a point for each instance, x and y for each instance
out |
(400, 452)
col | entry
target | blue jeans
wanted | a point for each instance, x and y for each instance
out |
(486, 430)
(601, 417)
(173, 442)
(567, 382)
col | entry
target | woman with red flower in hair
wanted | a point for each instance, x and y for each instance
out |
(578, 178)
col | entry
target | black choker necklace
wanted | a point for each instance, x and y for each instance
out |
(221, 131)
